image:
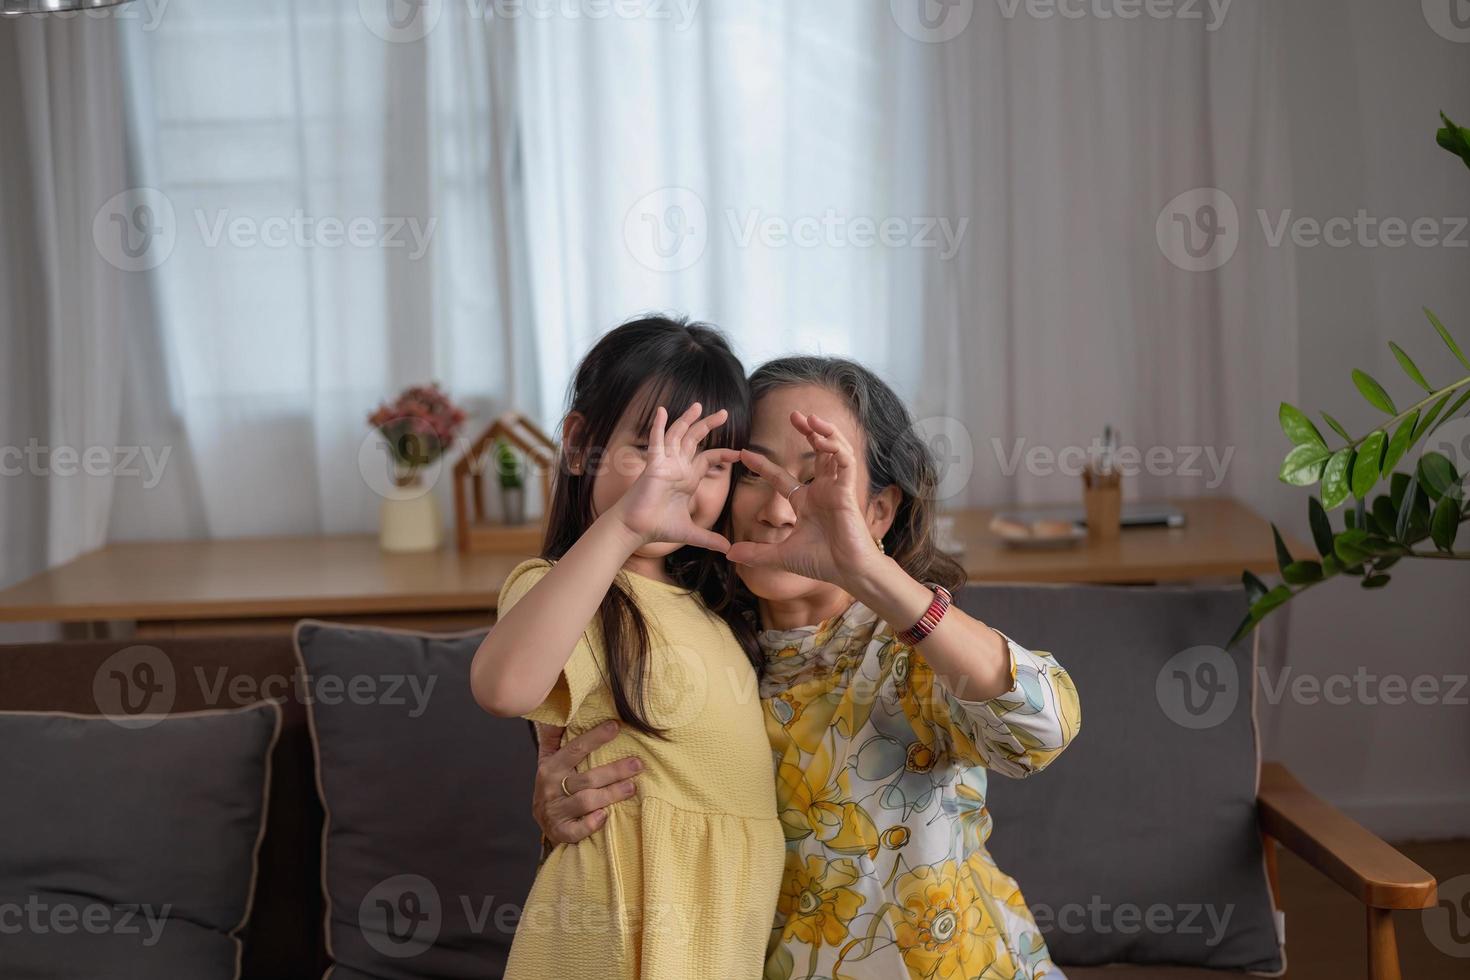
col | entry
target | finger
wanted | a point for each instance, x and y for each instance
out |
(578, 830)
(591, 800)
(714, 457)
(575, 752)
(826, 437)
(799, 420)
(701, 538)
(700, 430)
(674, 439)
(753, 553)
(607, 774)
(783, 481)
(656, 431)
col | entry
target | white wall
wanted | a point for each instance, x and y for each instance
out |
(1365, 82)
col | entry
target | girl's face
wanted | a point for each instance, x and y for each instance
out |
(621, 463)
(758, 512)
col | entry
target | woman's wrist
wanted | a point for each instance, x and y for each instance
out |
(883, 586)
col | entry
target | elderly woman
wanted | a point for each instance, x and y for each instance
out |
(884, 705)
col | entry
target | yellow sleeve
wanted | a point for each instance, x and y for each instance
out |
(579, 677)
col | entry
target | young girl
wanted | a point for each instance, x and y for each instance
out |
(611, 623)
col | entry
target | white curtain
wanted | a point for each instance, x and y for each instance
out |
(339, 189)
(967, 206)
(972, 215)
(72, 324)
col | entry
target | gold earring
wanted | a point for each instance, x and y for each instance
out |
(879, 543)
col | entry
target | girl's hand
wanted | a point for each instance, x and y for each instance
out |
(657, 506)
(831, 540)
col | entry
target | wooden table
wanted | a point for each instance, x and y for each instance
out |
(266, 584)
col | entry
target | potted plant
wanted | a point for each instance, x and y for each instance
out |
(1420, 515)
(512, 477)
(416, 429)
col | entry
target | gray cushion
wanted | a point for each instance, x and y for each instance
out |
(430, 848)
(128, 847)
(1140, 843)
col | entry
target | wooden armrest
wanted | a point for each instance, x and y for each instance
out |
(1342, 849)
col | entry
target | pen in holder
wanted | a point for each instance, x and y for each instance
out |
(1102, 497)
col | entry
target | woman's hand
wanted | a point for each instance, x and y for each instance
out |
(567, 819)
(831, 540)
(656, 507)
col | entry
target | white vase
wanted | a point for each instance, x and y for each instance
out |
(409, 520)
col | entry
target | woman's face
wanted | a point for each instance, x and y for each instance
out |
(757, 511)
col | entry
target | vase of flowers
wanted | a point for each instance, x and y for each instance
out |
(416, 429)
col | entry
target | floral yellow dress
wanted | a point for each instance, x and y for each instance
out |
(880, 787)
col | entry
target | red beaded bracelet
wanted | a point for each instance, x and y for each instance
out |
(930, 619)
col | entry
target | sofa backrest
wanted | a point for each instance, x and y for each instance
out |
(1140, 842)
(283, 940)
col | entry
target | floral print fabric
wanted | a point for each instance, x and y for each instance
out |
(880, 787)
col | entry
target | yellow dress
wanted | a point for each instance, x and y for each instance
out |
(681, 883)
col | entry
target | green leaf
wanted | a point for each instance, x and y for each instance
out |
(1398, 483)
(1406, 507)
(1270, 601)
(1437, 474)
(1302, 572)
(780, 965)
(1459, 404)
(1385, 515)
(1444, 335)
(1337, 427)
(1283, 556)
(1402, 438)
(1348, 546)
(1375, 581)
(1321, 526)
(1373, 391)
(1254, 587)
(1334, 478)
(1428, 420)
(1454, 138)
(1446, 522)
(1298, 428)
(1304, 464)
(1410, 368)
(1379, 545)
(1330, 565)
(1366, 467)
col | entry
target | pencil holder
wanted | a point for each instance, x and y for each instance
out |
(1102, 500)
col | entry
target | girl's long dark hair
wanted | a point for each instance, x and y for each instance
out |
(646, 362)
